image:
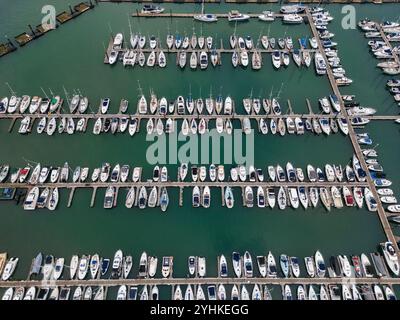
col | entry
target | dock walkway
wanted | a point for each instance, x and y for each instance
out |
(199, 281)
(357, 149)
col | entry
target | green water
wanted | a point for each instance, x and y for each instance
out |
(72, 57)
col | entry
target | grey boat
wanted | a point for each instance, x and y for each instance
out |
(37, 264)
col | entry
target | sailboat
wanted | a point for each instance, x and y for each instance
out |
(205, 17)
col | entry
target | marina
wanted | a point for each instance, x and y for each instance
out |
(360, 275)
(364, 194)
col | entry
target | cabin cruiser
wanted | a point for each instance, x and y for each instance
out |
(235, 15)
(292, 19)
(205, 17)
(320, 264)
(166, 268)
(9, 268)
(151, 9)
(291, 9)
(248, 265)
(267, 16)
(229, 199)
(391, 257)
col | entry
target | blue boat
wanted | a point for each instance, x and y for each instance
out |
(105, 263)
(303, 42)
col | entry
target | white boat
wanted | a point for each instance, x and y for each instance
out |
(149, 9)
(267, 16)
(237, 264)
(94, 265)
(229, 198)
(122, 293)
(151, 59)
(193, 60)
(391, 257)
(262, 265)
(83, 267)
(244, 58)
(73, 266)
(320, 264)
(203, 60)
(235, 15)
(58, 268)
(182, 59)
(31, 199)
(161, 59)
(292, 19)
(345, 265)
(276, 59)
(248, 265)
(9, 268)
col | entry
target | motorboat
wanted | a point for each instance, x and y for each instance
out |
(235, 15)
(247, 265)
(267, 16)
(284, 264)
(391, 257)
(229, 199)
(83, 267)
(366, 266)
(150, 9)
(9, 268)
(292, 19)
(262, 265)
(320, 264)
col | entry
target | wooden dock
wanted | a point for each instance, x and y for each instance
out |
(192, 14)
(182, 184)
(396, 55)
(357, 149)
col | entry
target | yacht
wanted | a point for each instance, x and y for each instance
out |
(262, 265)
(345, 265)
(320, 264)
(116, 264)
(249, 197)
(166, 268)
(287, 293)
(292, 9)
(229, 199)
(267, 16)
(94, 265)
(203, 60)
(9, 268)
(182, 59)
(201, 266)
(150, 9)
(310, 267)
(292, 19)
(142, 197)
(235, 15)
(83, 267)
(196, 197)
(244, 294)
(248, 265)
(391, 257)
(122, 293)
(276, 59)
(223, 267)
(73, 266)
(31, 199)
(366, 266)
(206, 17)
(237, 264)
